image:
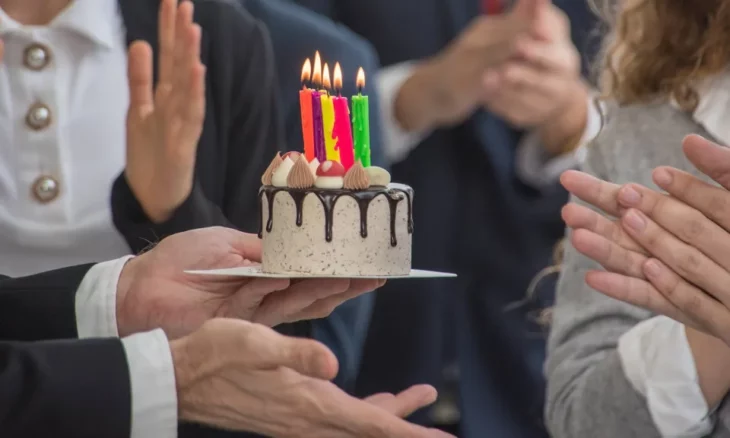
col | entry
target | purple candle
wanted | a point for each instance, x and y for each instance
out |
(319, 149)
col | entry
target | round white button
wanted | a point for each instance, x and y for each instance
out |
(37, 57)
(45, 189)
(38, 117)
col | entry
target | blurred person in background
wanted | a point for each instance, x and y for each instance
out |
(624, 368)
(483, 109)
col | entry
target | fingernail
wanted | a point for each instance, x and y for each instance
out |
(662, 177)
(652, 269)
(635, 222)
(629, 196)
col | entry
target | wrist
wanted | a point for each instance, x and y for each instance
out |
(124, 286)
(413, 106)
(562, 134)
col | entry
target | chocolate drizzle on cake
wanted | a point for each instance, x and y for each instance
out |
(328, 198)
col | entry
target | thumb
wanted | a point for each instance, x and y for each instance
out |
(529, 11)
(710, 158)
(305, 356)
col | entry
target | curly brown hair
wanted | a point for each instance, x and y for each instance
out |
(660, 48)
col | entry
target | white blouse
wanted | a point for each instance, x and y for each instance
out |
(63, 102)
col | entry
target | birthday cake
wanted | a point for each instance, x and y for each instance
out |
(327, 211)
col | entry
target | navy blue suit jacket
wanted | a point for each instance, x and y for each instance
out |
(474, 217)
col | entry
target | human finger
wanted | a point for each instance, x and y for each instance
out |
(285, 305)
(547, 56)
(139, 77)
(608, 254)
(681, 220)
(709, 157)
(636, 292)
(712, 201)
(247, 300)
(166, 26)
(324, 307)
(273, 350)
(193, 111)
(180, 74)
(685, 260)
(594, 191)
(698, 306)
(578, 216)
(406, 402)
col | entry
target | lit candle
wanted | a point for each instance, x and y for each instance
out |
(305, 104)
(361, 122)
(317, 122)
(328, 118)
(342, 131)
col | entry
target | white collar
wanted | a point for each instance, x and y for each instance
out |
(98, 20)
(713, 111)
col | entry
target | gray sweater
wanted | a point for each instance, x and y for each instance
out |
(588, 394)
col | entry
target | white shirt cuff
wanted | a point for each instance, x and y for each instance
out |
(538, 169)
(398, 143)
(658, 362)
(152, 377)
(96, 300)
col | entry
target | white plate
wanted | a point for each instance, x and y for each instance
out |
(255, 271)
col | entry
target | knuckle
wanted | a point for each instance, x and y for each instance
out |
(688, 263)
(692, 229)
(718, 205)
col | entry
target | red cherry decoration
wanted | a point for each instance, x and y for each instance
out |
(331, 169)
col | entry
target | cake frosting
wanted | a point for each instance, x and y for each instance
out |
(334, 222)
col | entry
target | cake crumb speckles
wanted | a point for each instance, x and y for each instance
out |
(300, 176)
(266, 177)
(356, 178)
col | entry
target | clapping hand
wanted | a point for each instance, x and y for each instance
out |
(540, 86)
(668, 253)
(164, 123)
(154, 290)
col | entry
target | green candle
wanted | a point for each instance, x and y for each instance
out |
(361, 122)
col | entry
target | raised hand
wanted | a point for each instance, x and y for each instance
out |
(541, 86)
(164, 123)
(449, 87)
(154, 291)
(246, 377)
(669, 253)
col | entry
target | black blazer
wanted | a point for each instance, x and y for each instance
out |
(241, 133)
(70, 388)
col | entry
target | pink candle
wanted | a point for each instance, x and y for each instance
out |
(343, 133)
(342, 130)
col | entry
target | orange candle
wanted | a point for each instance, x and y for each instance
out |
(305, 103)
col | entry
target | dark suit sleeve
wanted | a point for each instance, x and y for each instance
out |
(41, 306)
(243, 64)
(64, 389)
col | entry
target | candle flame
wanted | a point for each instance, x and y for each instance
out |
(360, 82)
(338, 77)
(326, 77)
(306, 71)
(317, 75)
